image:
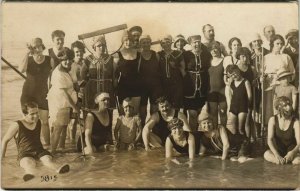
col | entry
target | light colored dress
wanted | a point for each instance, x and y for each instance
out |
(58, 102)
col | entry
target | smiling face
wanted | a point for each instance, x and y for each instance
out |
(58, 41)
(205, 125)
(66, 64)
(177, 131)
(164, 107)
(235, 46)
(78, 54)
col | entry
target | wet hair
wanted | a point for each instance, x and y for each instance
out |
(175, 122)
(245, 52)
(207, 25)
(162, 99)
(232, 40)
(79, 45)
(57, 33)
(274, 38)
(28, 105)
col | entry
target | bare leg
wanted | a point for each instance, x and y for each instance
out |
(269, 156)
(28, 164)
(154, 140)
(73, 131)
(63, 136)
(57, 129)
(228, 96)
(248, 125)
(296, 160)
(241, 123)
(44, 114)
(192, 119)
(231, 123)
(48, 162)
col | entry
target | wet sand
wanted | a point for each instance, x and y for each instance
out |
(136, 169)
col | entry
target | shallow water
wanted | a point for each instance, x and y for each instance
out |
(136, 169)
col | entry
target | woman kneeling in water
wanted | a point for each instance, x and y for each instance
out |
(181, 141)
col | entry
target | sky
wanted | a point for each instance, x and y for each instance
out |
(24, 21)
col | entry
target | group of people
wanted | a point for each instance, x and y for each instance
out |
(206, 100)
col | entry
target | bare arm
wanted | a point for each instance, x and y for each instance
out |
(117, 131)
(191, 141)
(12, 131)
(271, 128)
(169, 148)
(295, 150)
(139, 130)
(249, 91)
(295, 99)
(23, 65)
(88, 132)
(225, 142)
(70, 100)
(148, 127)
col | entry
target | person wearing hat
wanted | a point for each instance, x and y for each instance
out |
(272, 63)
(216, 97)
(128, 129)
(217, 139)
(180, 42)
(136, 32)
(156, 129)
(62, 98)
(283, 135)
(38, 68)
(58, 39)
(292, 49)
(98, 73)
(129, 82)
(181, 141)
(285, 88)
(196, 81)
(98, 126)
(209, 38)
(257, 54)
(149, 71)
(172, 71)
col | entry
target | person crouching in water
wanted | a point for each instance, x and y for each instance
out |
(30, 149)
(239, 107)
(216, 140)
(98, 126)
(181, 141)
(283, 134)
(128, 129)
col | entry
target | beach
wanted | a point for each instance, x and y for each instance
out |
(136, 169)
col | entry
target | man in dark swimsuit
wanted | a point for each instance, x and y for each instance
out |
(156, 129)
(27, 136)
(136, 32)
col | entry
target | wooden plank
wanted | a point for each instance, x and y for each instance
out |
(102, 31)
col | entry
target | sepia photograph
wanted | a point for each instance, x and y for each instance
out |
(150, 95)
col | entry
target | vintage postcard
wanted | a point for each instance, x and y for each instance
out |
(150, 95)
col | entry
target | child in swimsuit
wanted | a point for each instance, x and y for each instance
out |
(128, 129)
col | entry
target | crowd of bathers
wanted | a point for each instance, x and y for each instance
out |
(202, 98)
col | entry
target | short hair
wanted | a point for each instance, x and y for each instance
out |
(79, 45)
(175, 122)
(245, 52)
(27, 105)
(274, 38)
(207, 25)
(162, 99)
(232, 68)
(269, 26)
(66, 54)
(232, 40)
(280, 101)
(58, 33)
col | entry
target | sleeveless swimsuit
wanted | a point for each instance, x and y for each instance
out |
(185, 149)
(217, 84)
(239, 101)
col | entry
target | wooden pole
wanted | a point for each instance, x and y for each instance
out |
(102, 31)
(12, 67)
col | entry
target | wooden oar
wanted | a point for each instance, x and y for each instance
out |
(12, 67)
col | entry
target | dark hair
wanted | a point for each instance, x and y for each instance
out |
(79, 45)
(162, 99)
(274, 38)
(232, 68)
(280, 100)
(57, 33)
(245, 52)
(66, 54)
(207, 25)
(232, 40)
(175, 122)
(27, 105)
